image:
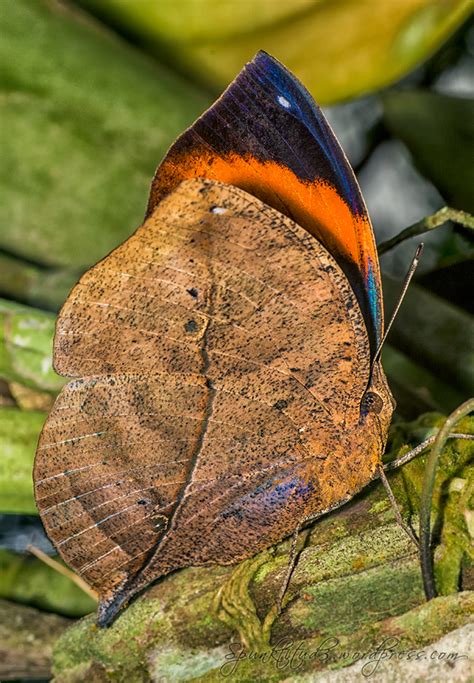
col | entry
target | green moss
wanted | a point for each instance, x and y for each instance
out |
(170, 665)
(449, 506)
(416, 629)
(357, 553)
(340, 605)
(455, 549)
(119, 649)
(433, 619)
(233, 604)
(379, 506)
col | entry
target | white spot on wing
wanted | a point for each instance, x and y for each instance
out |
(284, 102)
(218, 209)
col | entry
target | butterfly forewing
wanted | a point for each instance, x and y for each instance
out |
(266, 135)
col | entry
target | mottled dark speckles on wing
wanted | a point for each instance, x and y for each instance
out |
(221, 358)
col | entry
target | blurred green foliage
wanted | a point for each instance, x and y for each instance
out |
(439, 132)
(338, 49)
(27, 580)
(30, 282)
(26, 347)
(434, 333)
(85, 120)
(19, 431)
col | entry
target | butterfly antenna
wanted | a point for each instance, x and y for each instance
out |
(408, 277)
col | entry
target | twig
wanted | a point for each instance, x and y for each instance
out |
(293, 559)
(436, 220)
(426, 557)
(420, 448)
(396, 508)
(62, 570)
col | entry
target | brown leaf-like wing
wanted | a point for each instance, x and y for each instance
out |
(222, 358)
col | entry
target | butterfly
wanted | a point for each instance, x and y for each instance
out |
(225, 379)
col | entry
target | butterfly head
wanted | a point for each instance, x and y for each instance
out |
(377, 403)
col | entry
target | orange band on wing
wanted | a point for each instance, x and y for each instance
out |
(316, 206)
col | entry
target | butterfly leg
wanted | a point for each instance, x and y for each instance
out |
(396, 508)
(293, 558)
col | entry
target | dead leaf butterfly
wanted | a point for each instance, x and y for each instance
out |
(225, 379)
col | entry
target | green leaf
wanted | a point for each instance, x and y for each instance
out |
(338, 49)
(439, 132)
(26, 341)
(19, 432)
(85, 121)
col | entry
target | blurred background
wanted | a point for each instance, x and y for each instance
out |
(94, 92)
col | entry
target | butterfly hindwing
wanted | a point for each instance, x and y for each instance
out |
(222, 358)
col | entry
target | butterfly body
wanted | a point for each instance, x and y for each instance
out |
(224, 391)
